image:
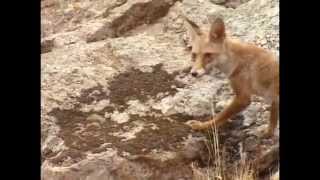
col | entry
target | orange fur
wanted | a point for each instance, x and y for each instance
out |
(251, 70)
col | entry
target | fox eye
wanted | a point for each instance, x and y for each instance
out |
(193, 56)
(207, 55)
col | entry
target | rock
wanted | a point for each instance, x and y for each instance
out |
(119, 117)
(107, 115)
(129, 16)
(250, 143)
(101, 105)
(87, 134)
(234, 3)
(221, 105)
(95, 117)
(241, 21)
(251, 114)
(132, 52)
(129, 133)
(267, 158)
(113, 4)
(138, 108)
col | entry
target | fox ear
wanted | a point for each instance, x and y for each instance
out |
(193, 28)
(217, 30)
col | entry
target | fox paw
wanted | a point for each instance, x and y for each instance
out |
(195, 125)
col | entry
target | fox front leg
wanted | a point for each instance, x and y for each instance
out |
(196, 125)
(238, 104)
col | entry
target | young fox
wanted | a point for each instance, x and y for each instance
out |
(250, 69)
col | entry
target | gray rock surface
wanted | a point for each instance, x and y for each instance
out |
(115, 95)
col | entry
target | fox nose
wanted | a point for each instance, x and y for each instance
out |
(194, 74)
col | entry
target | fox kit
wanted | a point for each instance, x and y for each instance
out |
(251, 70)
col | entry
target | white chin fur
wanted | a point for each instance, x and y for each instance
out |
(201, 72)
(210, 66)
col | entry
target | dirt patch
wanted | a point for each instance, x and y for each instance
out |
(81, 134)
(166, 136)
(72, 154)
(135, 84)
(184, 117)
(92, 94)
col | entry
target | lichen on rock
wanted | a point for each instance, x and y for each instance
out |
(116, 96)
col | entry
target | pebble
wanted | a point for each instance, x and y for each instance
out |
(96, 117)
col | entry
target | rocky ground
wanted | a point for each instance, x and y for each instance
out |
(116, 95)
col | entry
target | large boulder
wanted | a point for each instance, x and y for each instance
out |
(116, 93)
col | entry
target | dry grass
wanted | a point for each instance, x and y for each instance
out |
(243, 171)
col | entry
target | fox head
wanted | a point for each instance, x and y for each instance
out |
(206, 46)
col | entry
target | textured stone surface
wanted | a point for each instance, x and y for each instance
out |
(113, 106)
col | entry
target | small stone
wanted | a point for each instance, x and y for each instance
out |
(93, 125)
(125, 154)
(100, 105)
(222, 104)
(218, 1)
(120, 117)
(107, 115)
(96, 117)
(263, 41)
(160, 95)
